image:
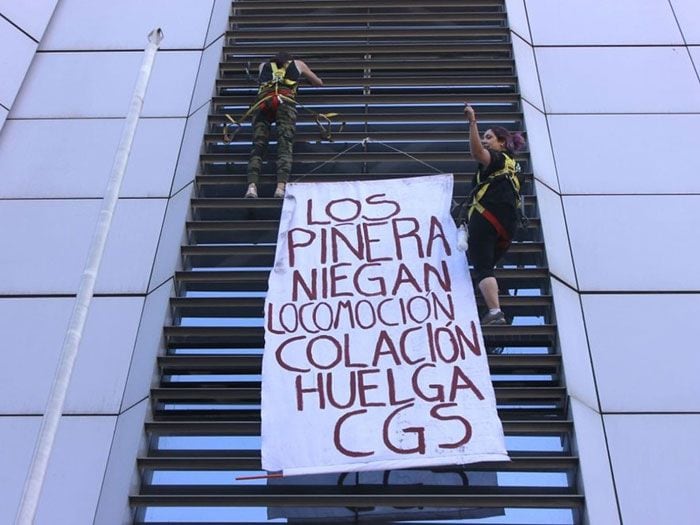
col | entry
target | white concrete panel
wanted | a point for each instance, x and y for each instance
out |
(3, 116)
(575, 355)
(99, 376)
(218, 24)
(50, 240)
(32, 17)
(16, 53)
(629, 244)
(74, 157)
(149, 344)
(595, 469)
(688, 15)
(618, 80)
(630, 153)
(528, 79)
(602, 22)
(517, 19)
(188, 162)
(91, 25)
(17, 435)
(543, 166)
(656, 464)
(695, 56)
(208, 71)
(555, 234)
(76, 470)
(121, 478)
(78, 85)
(131, 248)
(172, 237)
(638, 334)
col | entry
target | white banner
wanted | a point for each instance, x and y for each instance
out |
(374, 358)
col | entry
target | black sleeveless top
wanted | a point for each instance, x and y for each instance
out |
(292, 73)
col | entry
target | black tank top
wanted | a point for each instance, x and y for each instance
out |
(292, 73)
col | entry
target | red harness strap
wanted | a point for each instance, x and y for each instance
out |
(503, 238)
(271, 102)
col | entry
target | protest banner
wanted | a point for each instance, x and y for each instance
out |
(374, 358)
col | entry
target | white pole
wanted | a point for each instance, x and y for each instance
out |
(57, 396)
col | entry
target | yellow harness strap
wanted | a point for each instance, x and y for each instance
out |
(278, 79)
(271, 89)
(508, 171)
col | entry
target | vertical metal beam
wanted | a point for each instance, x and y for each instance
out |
(69, 352)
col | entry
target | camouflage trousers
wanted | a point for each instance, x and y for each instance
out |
(286, 122)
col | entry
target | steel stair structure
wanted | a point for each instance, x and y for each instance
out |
(398, 73)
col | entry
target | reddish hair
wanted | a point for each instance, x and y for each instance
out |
(513, 141)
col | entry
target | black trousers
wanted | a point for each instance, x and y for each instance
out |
(486, 243)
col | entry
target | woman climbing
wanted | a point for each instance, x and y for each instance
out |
(493, 207)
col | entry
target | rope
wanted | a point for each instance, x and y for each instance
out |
(367, 139)
(329, 160)
(364, 142)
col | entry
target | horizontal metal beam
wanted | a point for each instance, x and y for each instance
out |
(371, 34)
(310, 51)
(252, 337)
(442, 18)
(385, 65)
(252, 307)
(373, 81)
(252, 463)
(319, 96)
(252, 364)
(256, 280)
(533, 427)
(315, 498)
(312, 6)
(417, 115)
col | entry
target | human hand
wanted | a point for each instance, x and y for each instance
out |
(469, 112)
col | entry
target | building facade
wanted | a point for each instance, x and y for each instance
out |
(611, 101)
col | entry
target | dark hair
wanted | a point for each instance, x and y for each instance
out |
(281, 58)
(512, 141)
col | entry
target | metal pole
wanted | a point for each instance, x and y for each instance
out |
(59, 388)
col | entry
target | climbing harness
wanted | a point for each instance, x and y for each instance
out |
(279, 90)
(472, 203)
(508, 172)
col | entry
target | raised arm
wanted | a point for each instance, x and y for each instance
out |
(306, 71)
(479, 152)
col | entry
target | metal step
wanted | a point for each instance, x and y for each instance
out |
(331, 101)
(253, 337)
(252, 307)
(426, 115)
(235, 256)
(243, 6)
(249, 462)
(252, 364)
(334, 64)
(245, 428)
(248, 280)
(267, 231)
(317, 497)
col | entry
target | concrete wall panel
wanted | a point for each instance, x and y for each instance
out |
(625, 243)
(16, 53)
(92, 25)
(73, 158)
(623, 159)
(598, 22)
(655, 463)
(618, 80)
(75, 85)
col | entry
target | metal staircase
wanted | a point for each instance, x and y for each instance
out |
(398, 72)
